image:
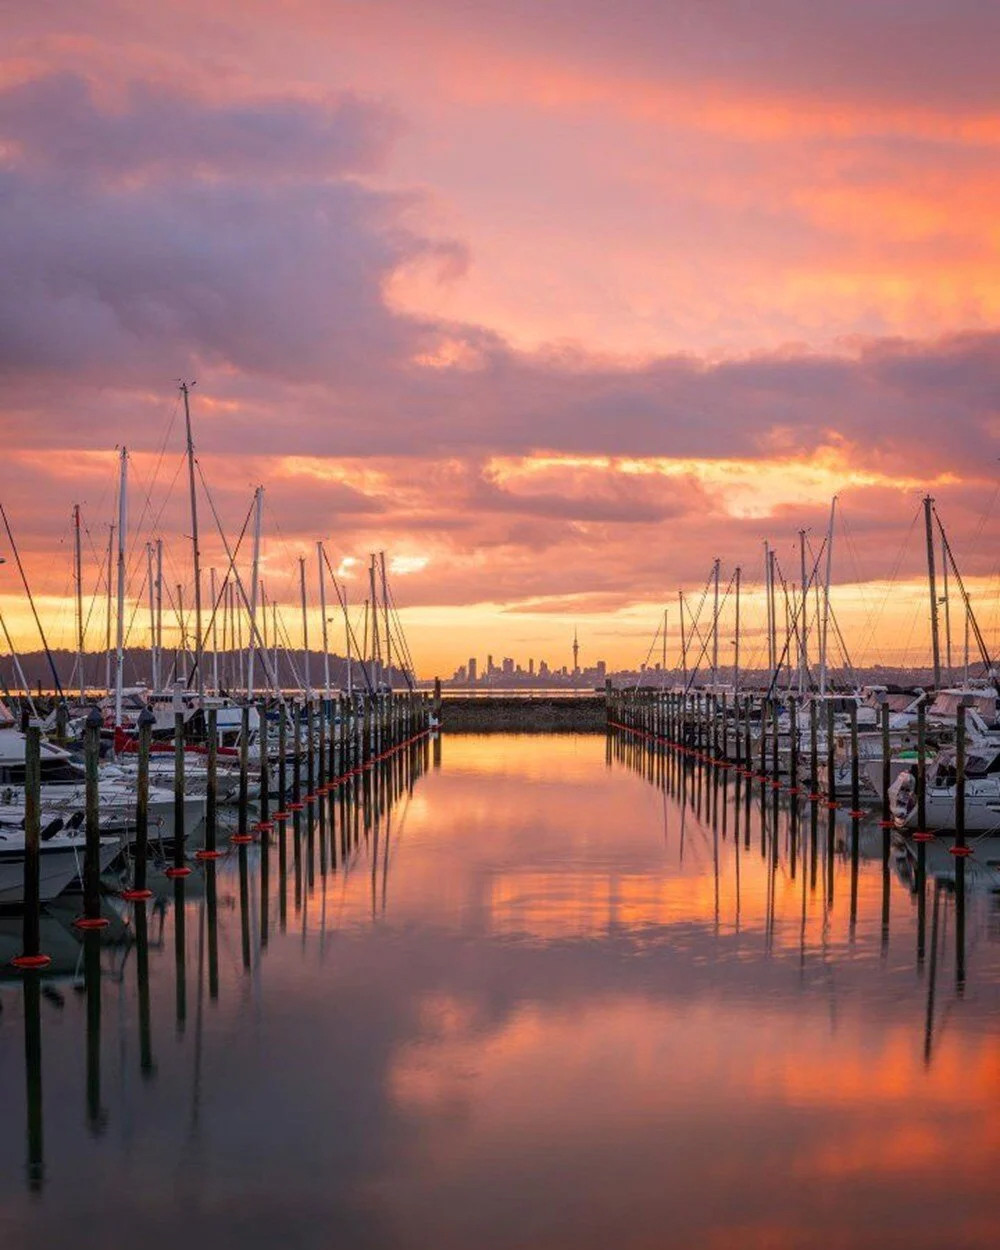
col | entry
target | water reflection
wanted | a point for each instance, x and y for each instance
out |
(536, 991)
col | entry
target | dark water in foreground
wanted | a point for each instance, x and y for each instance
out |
(563, 1010)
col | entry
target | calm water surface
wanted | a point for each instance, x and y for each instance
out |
(560, 995)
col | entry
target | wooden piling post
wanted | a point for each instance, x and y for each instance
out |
(856, 812)
(179, 868)
(264, 825)
(282, 812)
(960, 848)
(886, 767)
(91, 918)
(138, 891)
(922, 834)
(31, 957)
(242, 834)
(310, 750)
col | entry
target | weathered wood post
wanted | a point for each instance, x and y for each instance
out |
(139, 891)
(242, 835)
(31, 957)
(92, 918)
(179, 868)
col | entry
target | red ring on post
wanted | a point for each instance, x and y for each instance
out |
(91, 922)
(886, 824)
(241, 839)
(205, 853)
(856, 814)
(960, 851)
(923, 836)
(183, 871)
(832, 805)
(136, 896)
(30, 963)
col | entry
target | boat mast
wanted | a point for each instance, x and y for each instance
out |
(120, 626)
(684, 649)
(78, 574)
(364, 641)
(715, 621)
(196, 554)
(803, 632)
(305, 627)
(215, 629)
(736, 641)
(151, 596)
(825, 623)
(347, 639)
(376, 643)
(769, 605)
(326, 624)
(932, 585)
(663, 659)
(947, 609)
(258, 502)
(183, 653)
(388, 635)
(274, 643)
(107, 613)
(159, 612)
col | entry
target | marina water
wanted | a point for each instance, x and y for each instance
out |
(548, 991)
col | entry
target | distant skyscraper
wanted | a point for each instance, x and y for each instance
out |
(489, 666)
(531, 668)
(473, 670)
(576, 652)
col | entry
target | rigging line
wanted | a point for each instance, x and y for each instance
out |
(255, 636)
(871, 621)
(207, 632)
(645, 663)
(16, 669)
(708, 637)
(694, 619)
(980, 641)
(402, 645)
(347, 623)
(31, 601)
(848, 664)
(286, 647)
(408, 658)
(893, 576)
(136, 553)
(799, 608)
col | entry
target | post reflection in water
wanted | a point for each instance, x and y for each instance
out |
(550, 991)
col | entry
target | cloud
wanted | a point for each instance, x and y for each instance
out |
(249, 240)
(151, 130)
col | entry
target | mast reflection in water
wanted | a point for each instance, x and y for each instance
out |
(520, 991)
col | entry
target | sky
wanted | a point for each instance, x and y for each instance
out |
(555, 303)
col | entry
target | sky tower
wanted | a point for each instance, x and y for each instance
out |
(576, 652)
